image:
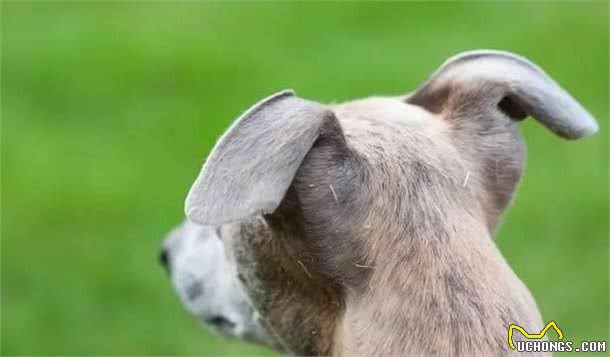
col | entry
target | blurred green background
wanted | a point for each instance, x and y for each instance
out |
(109, 108)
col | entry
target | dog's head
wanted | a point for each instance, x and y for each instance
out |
(327, 208)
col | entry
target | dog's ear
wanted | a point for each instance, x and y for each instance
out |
(254, 162)
(481, 94)
(483, 82)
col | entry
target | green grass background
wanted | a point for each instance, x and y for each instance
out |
(109, 108)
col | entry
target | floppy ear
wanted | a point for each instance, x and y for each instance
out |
(254, 162)
(481, 94)
(495, 81)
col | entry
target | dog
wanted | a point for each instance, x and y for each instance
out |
(366, 228)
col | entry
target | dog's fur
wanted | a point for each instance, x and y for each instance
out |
(365, 228)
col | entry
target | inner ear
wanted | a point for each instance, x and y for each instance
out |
(512, 108)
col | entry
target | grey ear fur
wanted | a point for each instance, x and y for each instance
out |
(507, 82)
(254, 162)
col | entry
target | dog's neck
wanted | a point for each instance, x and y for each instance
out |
(413, 285)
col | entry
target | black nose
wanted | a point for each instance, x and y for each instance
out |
(219, 321)
(164, 259)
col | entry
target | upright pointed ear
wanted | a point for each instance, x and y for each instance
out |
(489, 81)
(254, 162)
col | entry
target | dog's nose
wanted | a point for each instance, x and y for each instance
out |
(164, 259)
(220, 321)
